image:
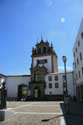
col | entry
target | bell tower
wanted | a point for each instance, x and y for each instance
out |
(44, 61)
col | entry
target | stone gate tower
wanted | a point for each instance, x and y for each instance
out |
(44, 60)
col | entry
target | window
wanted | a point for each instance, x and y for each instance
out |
(50, 78)
(38, 77)
(76, 49)
(77, 61)
(79, 74)
(56, 78)
(50, 85)
(44, 49)
(76, 77)
(80, 56)
(82, 35)
(75, 64)
(43, 61)
(39, 50)
(82, 70)
(56, 85)
(46, 61)
(78, 43)
(74, 54)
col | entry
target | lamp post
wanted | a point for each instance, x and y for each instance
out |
(65, 79)
(65, 90)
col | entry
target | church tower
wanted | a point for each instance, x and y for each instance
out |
(44, 61)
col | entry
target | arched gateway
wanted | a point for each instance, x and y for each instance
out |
(22, 92)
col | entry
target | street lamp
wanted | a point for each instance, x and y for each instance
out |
(65, 90)
(65, 79)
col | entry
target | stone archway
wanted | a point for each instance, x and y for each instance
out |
(22, 92)
(37, 93)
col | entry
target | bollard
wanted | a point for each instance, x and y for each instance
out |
(2, 115)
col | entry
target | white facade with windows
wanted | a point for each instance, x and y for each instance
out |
(78, 62)
(54, 84)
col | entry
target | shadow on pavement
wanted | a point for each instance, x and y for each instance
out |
(47, 120)
(73, 113)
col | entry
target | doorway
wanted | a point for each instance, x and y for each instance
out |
(37, 93)
(22, 92)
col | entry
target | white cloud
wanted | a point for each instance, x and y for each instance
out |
(62, 20)
(50, 3)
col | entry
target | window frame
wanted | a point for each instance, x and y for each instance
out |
(49, 78)
(50, 85)
(80, 56)
(56, 78)
(57, 85)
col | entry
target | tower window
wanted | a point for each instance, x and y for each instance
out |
(39, 50)
(44, 49)
(45, 60)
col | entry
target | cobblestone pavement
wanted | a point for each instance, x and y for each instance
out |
(33, 113)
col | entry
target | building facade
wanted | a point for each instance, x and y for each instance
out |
(54, 84)
(78, 63)
(44, 82)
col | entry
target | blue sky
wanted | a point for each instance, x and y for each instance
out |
(22, 22)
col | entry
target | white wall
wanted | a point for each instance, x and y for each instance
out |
(48, 65)
(79, 49)
(59, 91)
(13, 82)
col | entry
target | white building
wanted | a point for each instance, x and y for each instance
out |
(14, 82)
(78, 63)
(53, 87)
(54, 84)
